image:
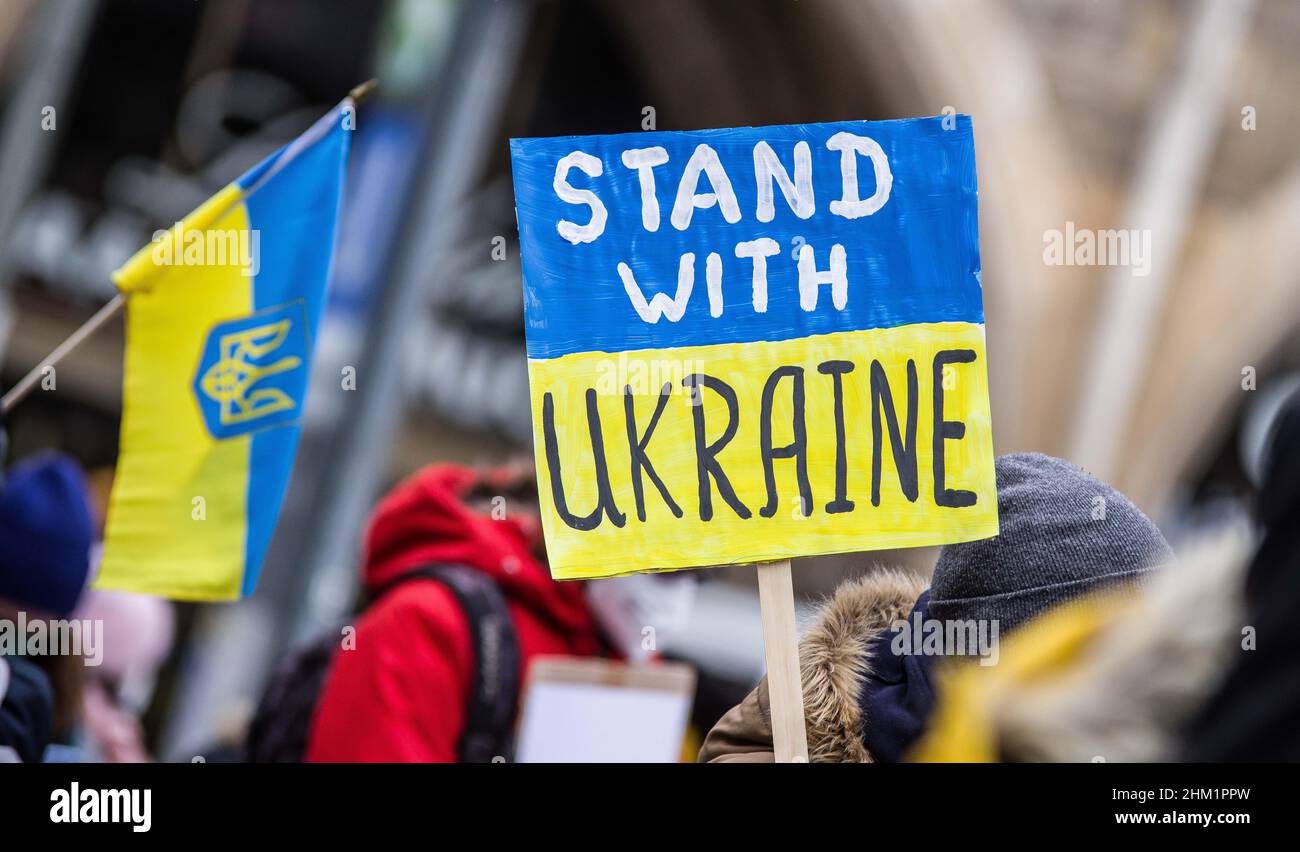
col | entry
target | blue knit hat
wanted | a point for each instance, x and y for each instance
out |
(45, 533)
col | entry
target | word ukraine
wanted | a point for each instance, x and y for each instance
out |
(810, 421)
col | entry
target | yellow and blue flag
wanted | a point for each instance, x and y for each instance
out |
(221, 316)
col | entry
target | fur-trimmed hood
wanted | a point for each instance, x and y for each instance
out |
(834, 662)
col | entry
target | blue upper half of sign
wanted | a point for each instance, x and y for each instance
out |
(913, 258)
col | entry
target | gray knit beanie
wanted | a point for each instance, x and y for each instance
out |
(1058, 541)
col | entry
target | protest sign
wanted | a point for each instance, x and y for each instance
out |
(752, 344)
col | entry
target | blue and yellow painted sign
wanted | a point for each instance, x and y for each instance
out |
(755, 343)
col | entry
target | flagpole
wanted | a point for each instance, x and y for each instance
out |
(112, 308)
(25, 385)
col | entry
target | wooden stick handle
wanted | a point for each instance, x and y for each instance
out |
(781, 646)
(92, 325)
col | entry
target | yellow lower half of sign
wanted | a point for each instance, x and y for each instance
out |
(834, 443)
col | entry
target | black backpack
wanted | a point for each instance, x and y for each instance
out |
(279, 730)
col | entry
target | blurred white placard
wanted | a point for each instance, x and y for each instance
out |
(584, 710)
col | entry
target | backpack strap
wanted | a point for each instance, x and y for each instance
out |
(281, 727)
(494, 693)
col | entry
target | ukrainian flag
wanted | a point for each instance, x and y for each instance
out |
(221, 316)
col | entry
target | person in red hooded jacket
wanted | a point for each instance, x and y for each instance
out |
(401, 693)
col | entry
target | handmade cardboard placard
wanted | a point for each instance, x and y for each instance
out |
(752, 344)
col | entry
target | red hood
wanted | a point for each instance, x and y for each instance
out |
(423, 521)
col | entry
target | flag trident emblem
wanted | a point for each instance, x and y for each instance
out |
(252, 373)
(231, 380)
